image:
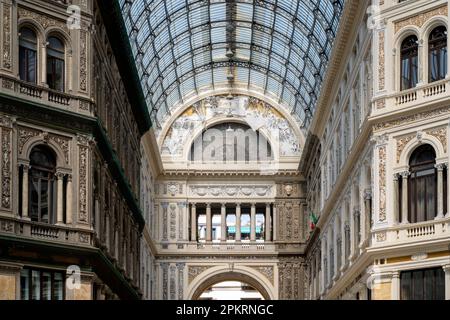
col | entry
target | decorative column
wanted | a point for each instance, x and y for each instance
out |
(395, 286)
(193, 223)
(396, 199)
(267, 236)
(59, 202)
(274, 223)
(26, 168)
(405, 175)
(447, 281)
(440, 190)
(69, 200)
(44, 70)
(253, 222)
(208, 222)
(448, 186)
(223, 222)
(367, 214)
(342, 231)
(238, 222)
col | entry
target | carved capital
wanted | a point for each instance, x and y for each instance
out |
(440, 166)
(404, 174)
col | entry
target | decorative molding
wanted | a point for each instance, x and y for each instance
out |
(381, 237)
(380, 104)
(267, 271)
(420, 19)
(194, 271)
(401, 143)
(83, 177)
(83, 58)
(381, 60)
(7, 56)
(6, 163)
(43, 20)
(382, 181)
(25, 135)
(63, 144)
(440, 134)
(411, 118)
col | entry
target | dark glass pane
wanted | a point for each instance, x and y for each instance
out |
(405, 286)
(24, 284)
(439, 284)
(58, 286)
(35, 285)
(44, 201)
(417, 279)
(429, 282)
(34, 190)
(31, 59)
(46, 286)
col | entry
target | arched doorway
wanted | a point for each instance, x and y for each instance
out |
(230, 277)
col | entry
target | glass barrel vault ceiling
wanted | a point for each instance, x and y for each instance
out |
(278, 47)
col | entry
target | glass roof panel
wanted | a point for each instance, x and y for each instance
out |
(280, 48)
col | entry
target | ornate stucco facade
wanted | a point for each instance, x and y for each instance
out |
(143, 217)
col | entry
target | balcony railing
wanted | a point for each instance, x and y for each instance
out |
(45, 95)
(412, 232)
(42, 231)
(422, 93)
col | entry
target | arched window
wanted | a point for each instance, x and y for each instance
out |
(409, 63)
(422, 189)
(55, 64)
(41, 187)
(27, 55)
(437, 50)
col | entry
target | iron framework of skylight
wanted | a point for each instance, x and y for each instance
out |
(277, 47)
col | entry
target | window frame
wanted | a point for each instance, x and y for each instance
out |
(51, 60)
(52, 283)
(27, 50)
(409, 53)
(438, 45)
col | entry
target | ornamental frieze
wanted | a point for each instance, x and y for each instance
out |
(420, 19)
(267, 271)
(7, 61)
(231, 191)
(43, 20)
(63, 144)
(194, 271)
(381, 76)
(25, 135)
(401, 143)
(6, 168)
(411, 118)
(440, 134)
(382, 181)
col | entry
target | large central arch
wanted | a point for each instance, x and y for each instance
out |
(230, 276)
(232, 272)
